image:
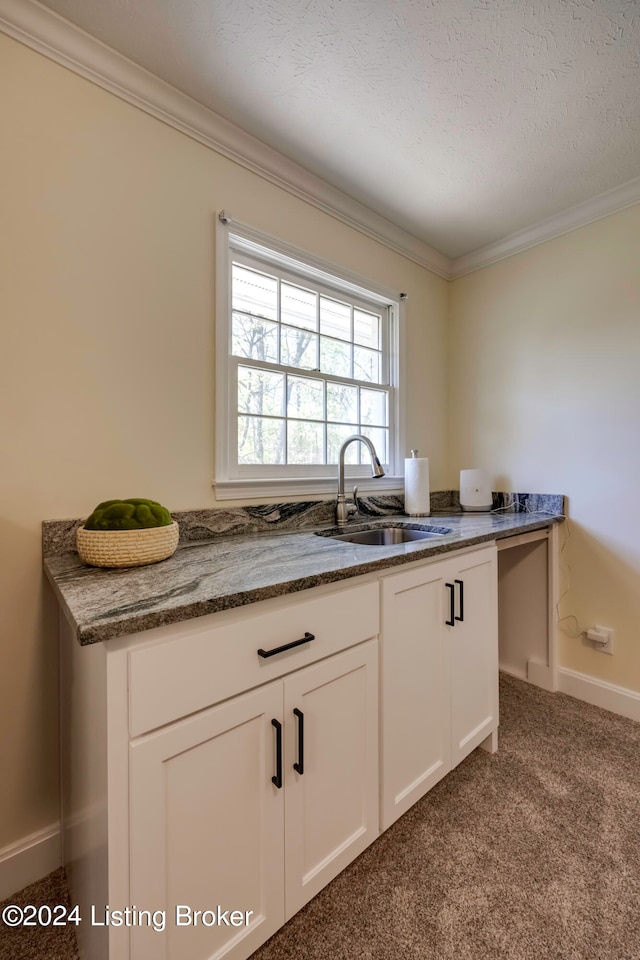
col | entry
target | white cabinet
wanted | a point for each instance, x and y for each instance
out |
(415, 684)
(253, 806)
(439, 672)
(174, 739)
(332, 806)
(473, 650)
(207, 829)
(170, 755)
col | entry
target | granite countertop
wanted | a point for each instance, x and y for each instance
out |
(230, 570)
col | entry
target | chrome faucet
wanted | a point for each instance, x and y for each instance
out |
(343, 509)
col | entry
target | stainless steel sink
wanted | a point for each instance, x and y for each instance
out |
(387, 536)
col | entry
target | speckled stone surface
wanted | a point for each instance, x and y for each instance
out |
(59, 536)
(224, 570)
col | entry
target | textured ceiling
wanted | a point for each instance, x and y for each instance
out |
(462, 121)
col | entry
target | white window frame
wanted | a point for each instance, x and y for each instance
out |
(233, 481)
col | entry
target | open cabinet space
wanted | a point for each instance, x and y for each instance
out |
(527, 593)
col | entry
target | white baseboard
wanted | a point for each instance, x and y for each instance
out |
(512, 671)
(600, 693)
(538, 674)
(541, 675)
(29, 859)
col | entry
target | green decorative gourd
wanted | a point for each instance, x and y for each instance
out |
(134, 514)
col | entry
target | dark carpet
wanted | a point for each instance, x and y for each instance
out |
(41, 942)
(529, 854)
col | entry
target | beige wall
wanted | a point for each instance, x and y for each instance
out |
(545, 394)
(106, 254)
(106, 277)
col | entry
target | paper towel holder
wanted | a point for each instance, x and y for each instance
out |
(417, 500)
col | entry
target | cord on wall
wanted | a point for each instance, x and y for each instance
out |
(563, 622)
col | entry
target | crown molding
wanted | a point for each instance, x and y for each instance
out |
(598, 207)
(56, 38)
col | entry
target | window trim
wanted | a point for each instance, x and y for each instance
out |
(234, 235)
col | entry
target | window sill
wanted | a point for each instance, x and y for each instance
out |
(326, 486)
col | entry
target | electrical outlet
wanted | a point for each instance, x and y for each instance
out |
(602, 639)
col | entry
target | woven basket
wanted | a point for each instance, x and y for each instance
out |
(127, 548)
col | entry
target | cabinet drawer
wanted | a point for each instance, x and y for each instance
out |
(180, 676)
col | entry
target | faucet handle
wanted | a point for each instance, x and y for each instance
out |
(355, 495)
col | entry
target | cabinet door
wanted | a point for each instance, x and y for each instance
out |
(332, 796)
(207, 829)
(473, 650)
(415, 701)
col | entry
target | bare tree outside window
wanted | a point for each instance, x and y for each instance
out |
(310, 371)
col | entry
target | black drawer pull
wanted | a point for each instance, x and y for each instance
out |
(451, 622)
(308, 637)
(461, 585)
(278, 777)
(299, 766)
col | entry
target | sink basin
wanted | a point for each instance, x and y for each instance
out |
(387, 536)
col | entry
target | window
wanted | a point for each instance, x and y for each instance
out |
(307, 356)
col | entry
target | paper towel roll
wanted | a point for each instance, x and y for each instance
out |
(417, 501)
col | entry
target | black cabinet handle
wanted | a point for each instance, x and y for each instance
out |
(451, 621)
(299, 766)
(308, 637)
(461, 585)
(278, 777)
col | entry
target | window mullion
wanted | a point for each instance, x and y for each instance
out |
(285, 414)
(318, 331)
(330, 286)
(324, 413)
(385, 353)
(306, 372)
(267, 293)
(232, 421)
(279, 319)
